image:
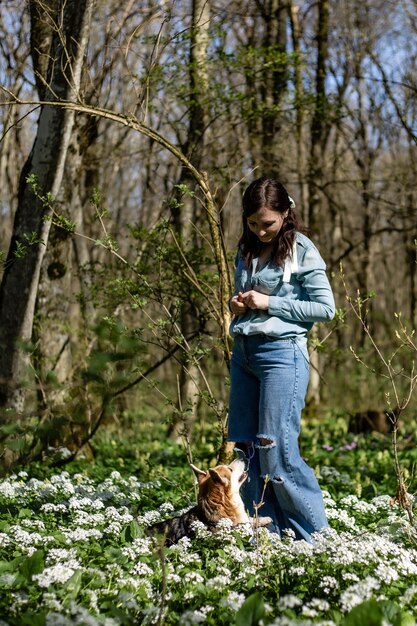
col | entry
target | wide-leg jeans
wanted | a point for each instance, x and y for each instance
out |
(269, 379)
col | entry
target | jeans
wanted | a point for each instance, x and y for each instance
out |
(269, 379)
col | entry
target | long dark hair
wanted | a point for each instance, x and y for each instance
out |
(268, 193)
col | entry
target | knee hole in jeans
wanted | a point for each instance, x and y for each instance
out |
(265, 442)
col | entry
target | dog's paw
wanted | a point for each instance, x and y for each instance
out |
(260, 521)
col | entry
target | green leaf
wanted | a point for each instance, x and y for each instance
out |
(16, 445)
(33, 565)
(6, 566)
(374, 613)
(32, 619)
(135, 530)
(73, 585)
(406, 619)
(251, 611)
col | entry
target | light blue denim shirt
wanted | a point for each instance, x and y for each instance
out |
(299, 294)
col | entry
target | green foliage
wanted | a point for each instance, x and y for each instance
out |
(76, 548)
(251, 611)
(374, 613)
(65, 223)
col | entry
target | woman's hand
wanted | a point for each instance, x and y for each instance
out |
(238, 307)
(255, 300)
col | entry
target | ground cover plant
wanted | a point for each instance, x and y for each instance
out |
(74, 546)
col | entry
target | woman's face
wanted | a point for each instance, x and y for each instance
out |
(266, 224)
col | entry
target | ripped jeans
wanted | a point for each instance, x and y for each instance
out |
(269, 379)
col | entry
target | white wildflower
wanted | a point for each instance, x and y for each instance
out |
(82, 534)
(7, 489)
(139, 546)
(302, 547)
(166, 508)
(56, 619)
(57, 555)
(55, 574)
(92, 596)
(189, 595)
(173, 578)
(50, 507)
(7, 580)
(195, 617)
(328, 583)
(51, 602)
(218, 582)
(386, 573)
(319, 604)
(382, 502)
(82, 518)
(238, 555)
(233, 601)
(289, 533)
(114, 528)
(142, 569)
(289, 601)
(193, 577)
(328, 499)
(25, 540)
(182, 546)
(358, 593)
(200, 529)
(33, 523)
(342, 517)
(308, 611)
(246, 530)
(409, 594)
(148, 518)
(350, 577)
(121, 516)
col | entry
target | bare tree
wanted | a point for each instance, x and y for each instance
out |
(185, 208)
(44, 168)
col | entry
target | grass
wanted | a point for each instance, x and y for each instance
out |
(74, 547)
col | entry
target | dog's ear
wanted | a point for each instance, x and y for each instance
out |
(217, 478)
(199, 474)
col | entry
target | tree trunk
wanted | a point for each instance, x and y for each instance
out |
(266, 83)
(274, 82)
(319, 133)
(45, 165)
(299, 106)
(185, 214)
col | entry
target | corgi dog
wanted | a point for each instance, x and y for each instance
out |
(218, 498)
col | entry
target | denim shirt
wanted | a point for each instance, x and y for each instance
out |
(299, 294)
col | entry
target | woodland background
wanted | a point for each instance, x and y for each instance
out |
(120, 209)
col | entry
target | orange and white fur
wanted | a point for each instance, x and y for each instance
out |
(218, 498)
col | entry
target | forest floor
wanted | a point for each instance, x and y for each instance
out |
(74, 547)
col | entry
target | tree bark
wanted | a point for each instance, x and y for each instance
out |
(319, 133)
(31, 227)
(266, 87)
(185, 212)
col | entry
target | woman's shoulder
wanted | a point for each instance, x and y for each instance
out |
(308, 254)
(303, 241)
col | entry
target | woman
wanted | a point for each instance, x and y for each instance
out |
(281, 289)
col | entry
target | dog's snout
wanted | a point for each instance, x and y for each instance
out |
(237, 464)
